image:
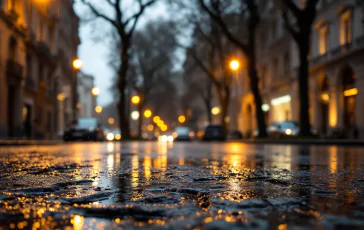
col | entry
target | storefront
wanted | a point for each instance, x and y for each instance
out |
(281, 109)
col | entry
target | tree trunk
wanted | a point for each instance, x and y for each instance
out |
(225, 108)
(140, 120)
(254, 86)
(207, 102)
(305, 128)
(123, 117)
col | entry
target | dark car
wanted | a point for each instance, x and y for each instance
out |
(86, 129)
(214, 133)
(235, 135)
(183, 134)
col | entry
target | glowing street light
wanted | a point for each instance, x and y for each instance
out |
(98, 109)
(111, 121)
(77, 64)
(160, 123)
(234, 65)
(215, 110)
(181, 119)
(135, 115)
(147, 113)
(95, 91)
(135, 99)
(150, 127)
(164, 128)
(156, 119)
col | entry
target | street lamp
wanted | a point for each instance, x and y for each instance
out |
(148, 113)
(234, 65)
(156, 119)
(98, 109)
(135, 99)
(215, 110)
(95, 91)
(135, 115)
(181, 119)
(111, 121)
(77, 64)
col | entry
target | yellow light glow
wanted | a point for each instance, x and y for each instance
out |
(111, 121)
(351, 92)
(78, 106)
(160, 123)
(174, 135)
(288, 131)
(60, 97)
(98, 109)
(215, 110)
(77, 64)
(234, 65)
(117, 136)
(147, 113)
(95, 91)
(325, 97)
(164, 128)
(156, 119)
(135, 115)
(135, 99)
(150, 127)
(181, 119)
(110, 137)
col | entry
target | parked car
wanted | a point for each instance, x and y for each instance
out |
(183, 133)
(235, 135)
(87, 129)
(214, 133)
(113, 135)
(284, 128)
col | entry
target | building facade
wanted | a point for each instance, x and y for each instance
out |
(38, 41)
(336, 81)
(86, 100)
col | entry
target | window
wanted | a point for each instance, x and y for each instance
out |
(286, 63)
(323, 39)
(345, 28)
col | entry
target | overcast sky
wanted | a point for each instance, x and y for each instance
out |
(95, 48)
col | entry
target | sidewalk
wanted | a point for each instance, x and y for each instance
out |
(29, 142)
(344, 142)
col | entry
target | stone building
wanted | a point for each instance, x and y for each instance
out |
(336, 71)
(86, 100)
(38, 41)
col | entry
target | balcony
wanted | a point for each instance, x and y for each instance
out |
(14, 69)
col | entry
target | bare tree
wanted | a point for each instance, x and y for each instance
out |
(248, 10)
(152, 59)
(301, 30)
(124, 27)
(197, 85)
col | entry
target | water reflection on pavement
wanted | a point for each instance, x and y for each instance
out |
(181, 186)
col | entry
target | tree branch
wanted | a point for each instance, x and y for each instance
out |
(289, 27)
(136, 16)
(203, 66)
(218, 19)
(293, 7)
(100, 15)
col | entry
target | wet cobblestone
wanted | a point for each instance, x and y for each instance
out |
(181, 186)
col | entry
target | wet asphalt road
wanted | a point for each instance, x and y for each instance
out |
(181, 186)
